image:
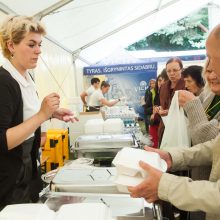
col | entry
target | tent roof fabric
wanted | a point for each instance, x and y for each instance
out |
(95, 28)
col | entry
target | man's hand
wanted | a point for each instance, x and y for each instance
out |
(185, 97)
(163, 155)
(64, 115)
(148, 189)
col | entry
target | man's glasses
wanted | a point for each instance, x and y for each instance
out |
(208, 69)
(208, 63)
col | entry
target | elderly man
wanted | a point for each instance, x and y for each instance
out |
(183, 192)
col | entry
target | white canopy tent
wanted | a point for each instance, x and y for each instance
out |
(94, 28)
(82, 32)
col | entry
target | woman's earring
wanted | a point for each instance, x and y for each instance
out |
(12, 55)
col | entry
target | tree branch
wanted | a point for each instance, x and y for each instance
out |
(203, 28)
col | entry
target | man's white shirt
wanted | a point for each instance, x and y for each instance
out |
(95, 98)
(89, 92)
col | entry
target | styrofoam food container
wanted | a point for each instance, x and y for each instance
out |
(122, 182)
(94, 126)
(127, 161)
(113, 125)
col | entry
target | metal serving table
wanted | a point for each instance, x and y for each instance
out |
(95, 184)
(123, 207)
(102, 147)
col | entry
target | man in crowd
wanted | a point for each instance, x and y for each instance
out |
(86, 94)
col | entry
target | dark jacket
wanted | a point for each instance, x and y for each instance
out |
(11, 114)
(148, 108)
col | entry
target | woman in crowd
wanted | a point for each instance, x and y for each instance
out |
(148, 103)
(97, 98)
(203, 111)
(152, 107)
(21, 113)
(174, 67)
(194, 82)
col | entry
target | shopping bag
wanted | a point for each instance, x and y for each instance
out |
(175, 132)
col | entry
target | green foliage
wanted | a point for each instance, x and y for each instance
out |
(186, 34)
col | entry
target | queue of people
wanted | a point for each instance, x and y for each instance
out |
(184, 192)
(201, 104)
(186, 81)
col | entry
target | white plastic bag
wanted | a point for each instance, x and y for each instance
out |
(176, 132)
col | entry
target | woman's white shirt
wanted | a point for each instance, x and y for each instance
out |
(31, 104)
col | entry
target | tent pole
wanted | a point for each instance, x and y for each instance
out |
(6, 10)
(74, 57)
(58, 44)
(159, 5)
(51, 9)
(213, 13)
(76, 54)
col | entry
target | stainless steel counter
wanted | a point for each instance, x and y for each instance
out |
(122, 206)
(95, 185)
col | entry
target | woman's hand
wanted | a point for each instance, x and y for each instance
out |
(156, 109)
(64, 115)
(152, 117)
(162, 112)
(49, 105)
(185, 97)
